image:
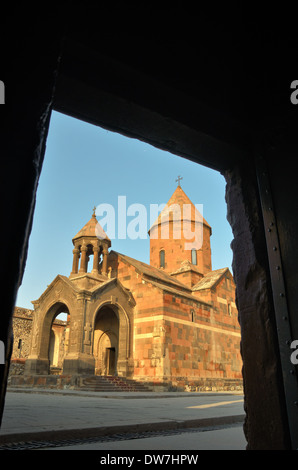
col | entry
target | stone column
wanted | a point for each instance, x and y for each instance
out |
(83, 268)
(79, 359)
(105, 261)
(38, 362)
(95, 259)
(75, 263)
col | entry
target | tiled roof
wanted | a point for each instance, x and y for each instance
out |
(210, 279)
(186, 266)
(151, 271)
(179, 199)
(160, 279)
(174, 291)
(92, 229)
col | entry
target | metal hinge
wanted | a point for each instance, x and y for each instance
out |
(283, 325)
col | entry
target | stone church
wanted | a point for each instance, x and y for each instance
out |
(171, 324)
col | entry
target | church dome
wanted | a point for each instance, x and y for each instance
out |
(180, 233)
(180, 201)
(92, 229)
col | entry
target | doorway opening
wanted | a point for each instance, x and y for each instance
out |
(110, 361)
(106, 340)
(59, 339)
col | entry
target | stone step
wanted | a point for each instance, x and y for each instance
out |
(112, 384)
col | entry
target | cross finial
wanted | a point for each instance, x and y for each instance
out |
(178, 180)
(94, 209)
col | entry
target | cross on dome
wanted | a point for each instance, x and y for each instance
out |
(178, 180)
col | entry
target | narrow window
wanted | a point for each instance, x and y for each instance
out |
(193, 256)
(162, 258)
(229, 309)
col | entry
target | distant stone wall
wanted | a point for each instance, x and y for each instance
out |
(22, 331)
(22, 328)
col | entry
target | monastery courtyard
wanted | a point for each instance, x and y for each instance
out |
(77, 420)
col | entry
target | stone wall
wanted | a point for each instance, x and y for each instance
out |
(22, 328)
(22, 331)
(179, 340)
(176, 250)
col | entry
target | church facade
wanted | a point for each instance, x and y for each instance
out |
(170, 324)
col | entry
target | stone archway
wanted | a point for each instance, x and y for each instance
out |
(106, 341)
(45, 344)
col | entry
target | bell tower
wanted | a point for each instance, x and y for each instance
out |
(90, 240)
(180, 237)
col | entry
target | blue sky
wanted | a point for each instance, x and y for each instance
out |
(86, 166)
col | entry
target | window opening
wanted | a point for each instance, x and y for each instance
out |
(162, 258)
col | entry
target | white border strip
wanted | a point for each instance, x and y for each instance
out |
(183, 322)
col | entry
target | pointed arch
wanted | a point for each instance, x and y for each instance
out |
(117, 328)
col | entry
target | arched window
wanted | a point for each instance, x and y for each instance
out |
(162, 258)
(192, 312)
(194, 256)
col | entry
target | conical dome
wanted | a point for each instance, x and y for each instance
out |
(92, 229)
(186, 210)
(179, 234)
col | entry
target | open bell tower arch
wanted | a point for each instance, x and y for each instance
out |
(90, 240)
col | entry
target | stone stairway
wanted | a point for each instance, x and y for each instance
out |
(107, 383)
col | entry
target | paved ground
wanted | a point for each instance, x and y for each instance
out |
(71, 420)
(229, 438)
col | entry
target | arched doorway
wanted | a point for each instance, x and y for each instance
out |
(49, 339)
(106, 341)
(58, 343)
